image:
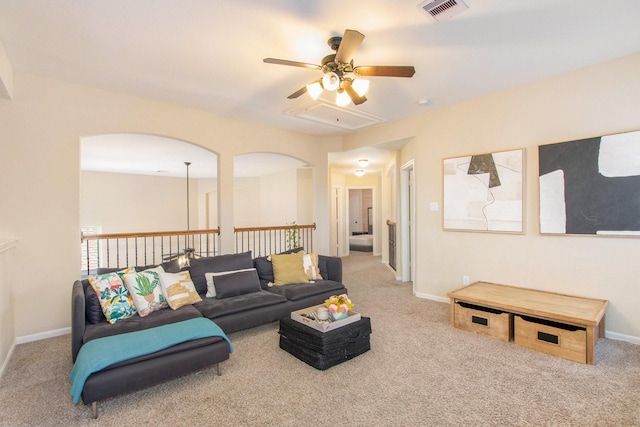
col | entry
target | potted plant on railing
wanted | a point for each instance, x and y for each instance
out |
(293, 239)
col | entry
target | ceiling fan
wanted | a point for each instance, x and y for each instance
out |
(340, 74)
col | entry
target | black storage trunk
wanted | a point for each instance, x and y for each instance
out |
(323, 350)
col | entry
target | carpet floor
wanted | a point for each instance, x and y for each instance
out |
(420, 371)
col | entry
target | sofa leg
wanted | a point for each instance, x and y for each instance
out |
(94, 409)
(218, 369)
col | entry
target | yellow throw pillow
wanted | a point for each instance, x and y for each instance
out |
(288, 268)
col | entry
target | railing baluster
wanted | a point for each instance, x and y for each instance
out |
(107, 244)
(272, 239)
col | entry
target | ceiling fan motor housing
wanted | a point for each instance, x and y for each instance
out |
(334, 42)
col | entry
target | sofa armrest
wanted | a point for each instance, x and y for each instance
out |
(334, 267)
(78, 318)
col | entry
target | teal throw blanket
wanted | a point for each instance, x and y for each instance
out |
(102, 352)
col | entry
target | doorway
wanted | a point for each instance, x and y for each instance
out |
(361, 220)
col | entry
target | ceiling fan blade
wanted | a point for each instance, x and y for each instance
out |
(350, 43)
(292, 63)
(355, 98)
(297, 93)
(385, 70)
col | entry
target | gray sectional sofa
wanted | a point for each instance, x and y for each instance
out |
(241, 305)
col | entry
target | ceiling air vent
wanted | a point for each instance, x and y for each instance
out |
(441, 10)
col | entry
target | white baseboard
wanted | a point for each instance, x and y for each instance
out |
(43, 335)
(432, 297)
(622, 337)
(5, 362)
(608, 334)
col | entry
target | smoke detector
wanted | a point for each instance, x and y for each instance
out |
(441, 10)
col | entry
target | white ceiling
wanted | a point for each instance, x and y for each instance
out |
(208, 54)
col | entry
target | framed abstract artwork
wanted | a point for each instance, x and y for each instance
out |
(591, 186)
(484, 192)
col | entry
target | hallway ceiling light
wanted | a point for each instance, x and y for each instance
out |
(363, 163)
(359, 172)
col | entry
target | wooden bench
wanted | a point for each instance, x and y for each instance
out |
(562, 325)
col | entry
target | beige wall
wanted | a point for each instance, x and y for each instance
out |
(7, 315)
(40, 132)
(274, 199)
(126, 203)
(599, 100)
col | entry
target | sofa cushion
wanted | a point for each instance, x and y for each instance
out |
(115, 299)
(213, 307)
(288, 268)
(146, 291)
(172, 266)
(178, 289)
(137, 323)
(200, 266)
(92, 308)
(234, 283)
(264, 268)
(324, 270)
(295, 292)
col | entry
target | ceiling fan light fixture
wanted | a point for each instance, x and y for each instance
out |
(361, 86)
(314, 89)
(330, 81)
(353, 95)
(342, 98)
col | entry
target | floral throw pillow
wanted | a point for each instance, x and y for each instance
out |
(146, 291)
(115, 300)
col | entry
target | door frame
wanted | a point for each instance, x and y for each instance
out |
(407, 224)
(336, 220)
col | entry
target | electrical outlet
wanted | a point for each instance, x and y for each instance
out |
(465, 280)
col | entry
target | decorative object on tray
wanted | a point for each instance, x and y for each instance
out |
(322, 313)
(339, 306)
